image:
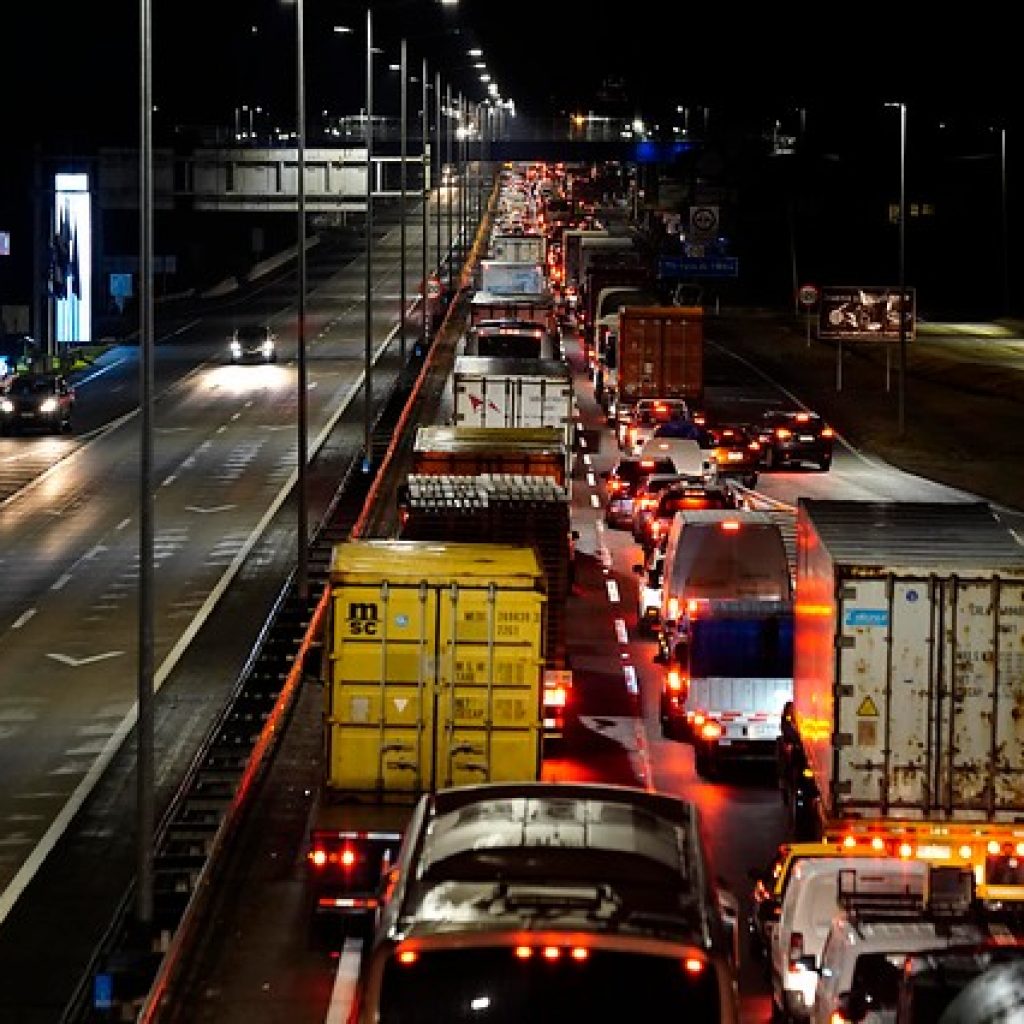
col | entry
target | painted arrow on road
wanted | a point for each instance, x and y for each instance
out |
(66, 659)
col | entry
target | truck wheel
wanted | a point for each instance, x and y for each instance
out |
(704, 764)
(825, 463)
(750, 480)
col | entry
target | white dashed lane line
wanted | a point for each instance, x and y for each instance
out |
(613, 591)
(595, 500)
(621, 633)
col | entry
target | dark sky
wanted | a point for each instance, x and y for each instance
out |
(77, 63)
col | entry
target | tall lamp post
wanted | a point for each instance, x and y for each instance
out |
(403, 71)
(903, 274)
(425, 202)
(448, 162)
(368, 316)
(1005, 222)
(300, 332)
(437, 167)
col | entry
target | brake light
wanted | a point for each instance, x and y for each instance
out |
(555, 697)
(407, 956)
(802, 417)
(552, 952)
(579, 953)
(674, 681)
(730, 525)
(754, 446)
(524, 952)
(993, 848)
(673, 608)
(318, 857)
(827, 432)
(782, 433)
(693, 605)
(647, 463)
(877, 844)
(796, 951)
(906, 851)
(849, 842)
(660, 407)
(692, 965)
(966, 852)
(711, 730)
(614, 485)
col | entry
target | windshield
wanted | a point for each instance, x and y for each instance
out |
(32, 386)
(497, 986)
(747, 563)
(729, 647)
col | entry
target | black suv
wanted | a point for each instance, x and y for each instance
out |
(794, 435)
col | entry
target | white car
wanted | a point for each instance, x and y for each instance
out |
(810, 904)
(648, 593)
(869, 940)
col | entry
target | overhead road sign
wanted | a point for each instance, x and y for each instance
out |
(698, 266)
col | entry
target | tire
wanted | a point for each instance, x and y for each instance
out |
(704, 764)
(750, 480)
(825, 463)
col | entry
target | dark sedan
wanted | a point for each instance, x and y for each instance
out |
(791, 436)
(36, 401)
(737, 450)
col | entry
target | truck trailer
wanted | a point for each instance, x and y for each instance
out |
(431, 667)
(657, 352)
(909, 682)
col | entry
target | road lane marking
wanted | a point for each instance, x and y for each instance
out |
(621, 633)
(23, 618)
(613, 591)
(591, 480)
(586, 459)
(123, 524)
(629, 672)
(344, 990)
(62, 582)
(67, 659)
(595, 500)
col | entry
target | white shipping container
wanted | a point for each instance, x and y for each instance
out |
(507, 277)
(518, 248)
(493, 392)
(909, 659)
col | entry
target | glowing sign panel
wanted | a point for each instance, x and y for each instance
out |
(71, 258)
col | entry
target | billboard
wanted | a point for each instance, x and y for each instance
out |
(71, 258)
(865, 313)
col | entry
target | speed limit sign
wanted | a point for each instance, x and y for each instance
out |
(808, 294)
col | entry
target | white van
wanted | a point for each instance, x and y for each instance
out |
(864, 953)
(721, 554)
(810, 904)
(687, 456)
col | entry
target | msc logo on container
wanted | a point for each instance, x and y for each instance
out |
(362, 618)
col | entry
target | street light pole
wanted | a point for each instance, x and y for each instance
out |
(437, 167)
(425, 202)
(448, 161)
(300, 333)
(1006, 223)
(903, 277)
(368, 316)
(403, 71)
(144, 726)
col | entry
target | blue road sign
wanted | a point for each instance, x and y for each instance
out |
(698, 266)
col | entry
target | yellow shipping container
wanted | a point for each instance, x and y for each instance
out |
(434, 666)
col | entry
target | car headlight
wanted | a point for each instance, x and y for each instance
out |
(6, 405)
(236, 348)
(48, 405)
(268, 348)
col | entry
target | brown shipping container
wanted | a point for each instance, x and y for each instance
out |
(661, 352)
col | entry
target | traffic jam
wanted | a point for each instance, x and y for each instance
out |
(835, 682)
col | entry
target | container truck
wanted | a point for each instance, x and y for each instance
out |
(571, 241)
(656, 352)
(731, 676)
(535, 307)
(497, 451)
(909, 683)
(431, 666)
(518, 248)
(626, 273)
(494, 392)
(512, 277)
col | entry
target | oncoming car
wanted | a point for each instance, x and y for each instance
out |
(39, 401)
(253, 344)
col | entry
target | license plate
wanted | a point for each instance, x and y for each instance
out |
(735, 456)
(758, 732)
(806, 437)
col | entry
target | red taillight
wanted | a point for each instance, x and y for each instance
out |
(754, 446)
(647, 463)
(552, 952)
(711, 730)
(318, 857)
(692, 965)
(674, 681)
(827, 432)
(782, 433)
(407, 956)
(730, 525)
(524, 952)
(803, 417)
(614, 485)
(348, 858)
(693, 606)
(556, 697)
(796, 948)
(580, 953)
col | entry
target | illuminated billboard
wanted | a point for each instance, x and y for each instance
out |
(865, 313)
(71, 258)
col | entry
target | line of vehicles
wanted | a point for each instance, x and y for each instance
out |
(877, 670)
